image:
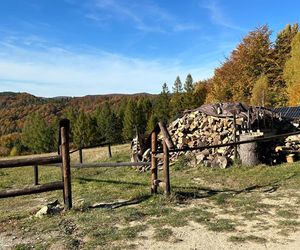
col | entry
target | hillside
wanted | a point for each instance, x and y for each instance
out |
(16, 107)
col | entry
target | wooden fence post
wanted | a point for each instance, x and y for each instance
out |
(66, 170)
(109, 151)
(166, 169)
(80, 155)
(153, 163)
(36, 174)
(234, 135)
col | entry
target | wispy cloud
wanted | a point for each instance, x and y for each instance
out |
(144, 16)
(58, 71)
(218, 16)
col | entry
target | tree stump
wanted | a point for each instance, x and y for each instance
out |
(249, 152)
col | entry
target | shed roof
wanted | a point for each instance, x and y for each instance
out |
(289, 112)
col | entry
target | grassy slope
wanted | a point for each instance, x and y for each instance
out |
(236, 190)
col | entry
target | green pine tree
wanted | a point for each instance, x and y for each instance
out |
(162, 105)
(37, 134)
(189, 100)
(130, 120)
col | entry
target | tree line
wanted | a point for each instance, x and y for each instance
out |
(111, 123)
(259, 71)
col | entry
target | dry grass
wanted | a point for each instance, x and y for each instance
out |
(220, 200)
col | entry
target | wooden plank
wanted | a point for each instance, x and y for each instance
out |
(66, 169)
(166, 135)
(32, 190)
(30, 161)
(153, 162)
(109, 164)
(166, 164)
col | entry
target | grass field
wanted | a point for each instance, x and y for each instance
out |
(224, 201)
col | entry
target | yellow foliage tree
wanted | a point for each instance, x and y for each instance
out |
(292, 72)
(260, 96)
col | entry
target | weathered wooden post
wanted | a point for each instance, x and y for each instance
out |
(166, 169)
(249, 120)
(109, 150)
(234, 135)
(66, 169)
(153, 162)
(36, 174)
(80, 155)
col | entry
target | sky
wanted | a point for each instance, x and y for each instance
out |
(86, 47)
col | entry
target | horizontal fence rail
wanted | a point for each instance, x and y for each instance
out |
(109, 164)
(231, 143)
(30, 161)
(32, 190)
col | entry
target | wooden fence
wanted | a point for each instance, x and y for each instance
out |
(63, 158)
(80, 153)
(168, 147)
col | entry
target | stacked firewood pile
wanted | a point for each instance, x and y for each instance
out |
(289, 150)
(214, 124)
(196, 129)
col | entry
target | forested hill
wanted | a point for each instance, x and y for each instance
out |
(39, 116)
(15, 107)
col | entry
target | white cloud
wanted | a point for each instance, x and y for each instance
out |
(145, 16)
(56, 71)
(218, 16)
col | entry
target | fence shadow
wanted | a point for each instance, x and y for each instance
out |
(122, 203)
(112, 181)
(204, 192)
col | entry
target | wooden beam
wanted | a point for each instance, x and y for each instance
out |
(30, 161)
(109, 164)
(66, 169)
(166, 135)
(166, 164)
(153, 162)
(32, 190)
(234, 135)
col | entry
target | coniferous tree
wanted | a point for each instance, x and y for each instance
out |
(162, 107)
(36, 134)
(177, 99)
(189, 97)
(84, 130)
(177, 87)
(152, 123)
(130, 120)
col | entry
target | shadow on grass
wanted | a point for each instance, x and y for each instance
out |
(204, 192)
(118, 204)
(112, 181)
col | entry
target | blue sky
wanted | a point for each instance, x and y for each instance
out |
(75, 47)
